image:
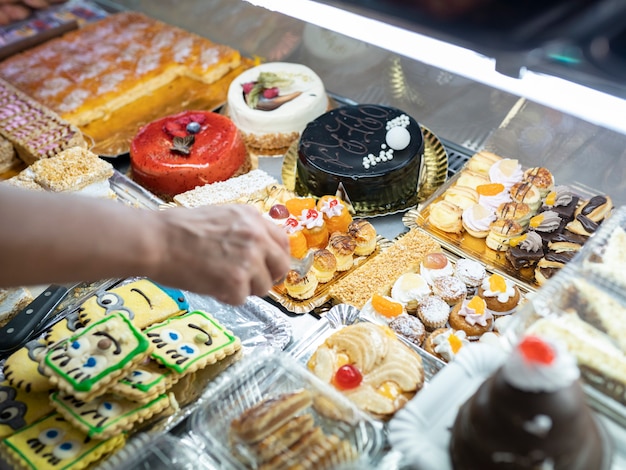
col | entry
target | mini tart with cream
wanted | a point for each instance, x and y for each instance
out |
(435, 265)
(477, 219)
(445, 343)
(492, 195)
(472, 317)
(382, 308)
(434, 312)
(409, 289)
(507, 172)
(500, 294)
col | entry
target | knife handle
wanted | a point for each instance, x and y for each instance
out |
(17, 331)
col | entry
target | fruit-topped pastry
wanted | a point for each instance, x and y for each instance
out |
(507, 172)
(297, 241)
(314, 228)
(563, 201)
(335, 212)
(382, 308)
(472, 317)
(500, 294)
(491, 195)
(445, 343)
(193, 148)
(434, 266)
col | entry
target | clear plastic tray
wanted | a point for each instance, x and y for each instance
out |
(590, 321)
(268, 375)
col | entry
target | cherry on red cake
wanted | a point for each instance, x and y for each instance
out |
(193, 148)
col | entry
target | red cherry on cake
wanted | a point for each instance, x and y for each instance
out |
(279, 211)
(347, 377)
(536, 350)
(435, 261)
(247, 87)
(270, 93)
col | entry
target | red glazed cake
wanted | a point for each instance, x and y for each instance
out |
(180, 152)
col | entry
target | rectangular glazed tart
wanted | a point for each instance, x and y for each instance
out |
(86, 74)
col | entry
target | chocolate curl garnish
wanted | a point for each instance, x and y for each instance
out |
(269, 104)
(183, 144)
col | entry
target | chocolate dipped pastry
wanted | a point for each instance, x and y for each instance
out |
(550, 264)
(530, 414)
(525, 250)
(562, 201)
(597, 208)
(566, 241)
(582, 225)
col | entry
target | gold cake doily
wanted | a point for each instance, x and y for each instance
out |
(435, 170)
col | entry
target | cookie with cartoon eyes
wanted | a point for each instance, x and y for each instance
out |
(145, 382)
(52, 442)
(23, 370)
(191, 341)
(106, 415)
(142, 301)
(19, 408)
(104, 351)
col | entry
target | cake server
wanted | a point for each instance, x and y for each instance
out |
(300, 265)
(17, 331)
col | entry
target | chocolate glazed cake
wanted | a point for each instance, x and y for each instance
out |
(530, 414)
(371, 154)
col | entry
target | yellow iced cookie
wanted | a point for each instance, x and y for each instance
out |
(19, 408)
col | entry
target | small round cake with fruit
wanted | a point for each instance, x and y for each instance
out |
(177, 153)
(371, 155)
(272, 104)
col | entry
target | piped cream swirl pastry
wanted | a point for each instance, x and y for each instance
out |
(472, 317)
(477, 219)
(507, 172)
(409, 289)
(526, 250)
(563, 201)
(500, 294)
(547, 221)
(445, 343)
(492, 195)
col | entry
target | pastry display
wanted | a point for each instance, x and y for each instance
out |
(371, 154)
(73, 170)
(382, 309)
(324, 265)
(515, 208)
(364, 234)
(336, 214)
(435, 265)
(450, 289)
(370, 366)
(104, 65)
(342, 246)
(273, 102)
(550, 424)
(177, 153)
(470, 272)
(32, 130)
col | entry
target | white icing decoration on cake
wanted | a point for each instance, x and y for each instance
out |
(311, 218)
(536, 376)
(431, 274)
(539, 426)
(443, 346)
(398, 138)
(292, 116)
(509, 175)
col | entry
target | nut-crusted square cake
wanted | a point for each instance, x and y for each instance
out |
(75, 170)
(86, 74)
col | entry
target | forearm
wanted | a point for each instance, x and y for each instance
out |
(49, 238)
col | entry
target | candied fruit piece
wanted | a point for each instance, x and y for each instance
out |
(389, 390)
(490, 189)
(347, 377)
(455, 343)
(551, 198)
(386, 307)
(497, 283)
(435, 261)
(509, 166)
(534, 349)
(536, 220)
(477, 304)
(515, 241)
(298, 204)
